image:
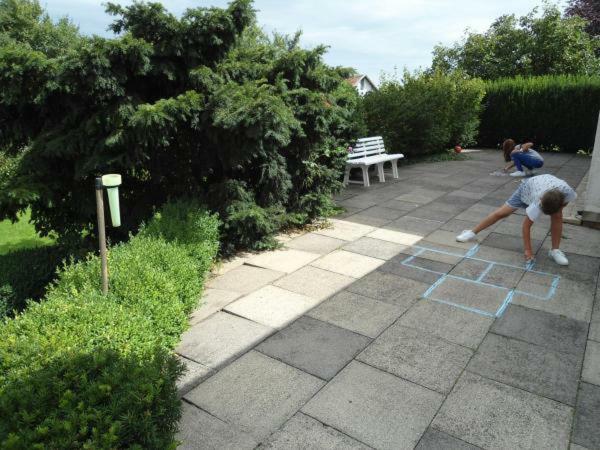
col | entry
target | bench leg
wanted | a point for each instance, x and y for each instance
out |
(395, 169)
(365, 172)
(380, 173)
(347, 176)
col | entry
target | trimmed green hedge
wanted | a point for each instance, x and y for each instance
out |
(551, 111)
(82, 370)
(425, 112)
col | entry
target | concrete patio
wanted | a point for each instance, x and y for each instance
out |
(383, 332)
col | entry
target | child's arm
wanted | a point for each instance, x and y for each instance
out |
(525, 147)
(508, 166)
(527, 223)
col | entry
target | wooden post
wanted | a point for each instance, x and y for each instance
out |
(102, 233)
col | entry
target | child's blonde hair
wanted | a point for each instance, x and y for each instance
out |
(507, 147)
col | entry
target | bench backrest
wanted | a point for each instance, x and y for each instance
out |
(368, 146)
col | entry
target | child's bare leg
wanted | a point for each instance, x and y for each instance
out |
(556, 226)
(491, 219)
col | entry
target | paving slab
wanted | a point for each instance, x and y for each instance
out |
(376, 408)
(493, 415)
(315, 243)
(438, 210)
(199, 430)
(538, 233)
(595, 323)
(448, 322)
(359, 201)
(348, 263)
(542, 328)
(389, 288)
(220, 338)
(457, 226)
(436, 252)
(591, 363)
(417, 356)
(581, 268)
(528, 366)
(314, 282)
(414, 225)
(586, 431)
(428, 264)
(399, 267)
(283, 260)
(471, 269)
(303, 432)
(397, 237)
(357, 313)
(272, 306)
(448, 238)
(576, 447)
(513, 242)
(571, 299)
(194, 374)
(400, 205)
(577, 239)
(438, 440)
(315, 347)
(469, 295)
(382, 212)
(244, 279)
(509, 277)
(420, 195)
(500, 256)
(256, 393)
(213, 300)
(344, 230)
(365, 219)
(375, 248)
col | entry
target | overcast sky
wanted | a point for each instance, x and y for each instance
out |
(370, 35)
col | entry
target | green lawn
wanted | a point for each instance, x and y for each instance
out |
(19, 235)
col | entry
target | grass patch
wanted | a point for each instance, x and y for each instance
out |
(20, 235)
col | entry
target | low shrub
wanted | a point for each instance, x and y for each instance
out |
(425, 112)
(552, 111)
(83, 370)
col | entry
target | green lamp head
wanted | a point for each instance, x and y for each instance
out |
(112, 182)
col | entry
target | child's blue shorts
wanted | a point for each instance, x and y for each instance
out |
(515, 199)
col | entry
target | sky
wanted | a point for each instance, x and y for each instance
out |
(373, 36)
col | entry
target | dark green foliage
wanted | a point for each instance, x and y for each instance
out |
(589, 10)
(425, 113)
(551, 111)
(24, 274)
(535, 44)
(178, 106)
(82, 370)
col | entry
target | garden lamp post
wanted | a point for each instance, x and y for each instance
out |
(111, 182)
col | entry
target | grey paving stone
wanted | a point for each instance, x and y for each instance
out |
(586, 431)
(496, 416)
(581, 267)
(428, 264)
(255, 393)
(382, 212)
(500, 256)
(513, 242)
(313, 346)
(213, 300)
(571, 299)
(470, 295)
(591, 363)
(357, 313)
(545, 329)
(397, 237)
(375, 248)
(505, 276)
(396, 267)
(304, 432)
(448, 238)
(389, 288)
(400, 205)
(244, 279)
(419, 195)
(448, 322)
(439, 211)
(458, 226)
(436, 252)
(580, 240)
(470, 268)
(457, 200)
(375, 407)
(220, 338)
(315, 243)
(365, 219)
(437, 440)
(199, 430)
(515, 229)
(314, 282)
(576, 447)
(359, 201)
(345, 230)
(194, 374)
(417, 356)
(348, 263)
(414, 225)
(272, 306)
(285, 260)
(527, 366)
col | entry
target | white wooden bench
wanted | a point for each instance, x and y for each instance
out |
(368, 152)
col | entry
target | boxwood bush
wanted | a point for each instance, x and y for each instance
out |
(83, 370)
(551, 111)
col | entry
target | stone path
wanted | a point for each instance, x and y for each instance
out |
(383, 332)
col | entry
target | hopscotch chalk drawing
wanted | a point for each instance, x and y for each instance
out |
(475, 294)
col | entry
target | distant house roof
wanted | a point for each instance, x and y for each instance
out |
(356, 79)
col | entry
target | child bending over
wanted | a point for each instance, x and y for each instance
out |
(544, 194)
(522, 156)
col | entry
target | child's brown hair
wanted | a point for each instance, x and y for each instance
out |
(507, 147)
(552, 201)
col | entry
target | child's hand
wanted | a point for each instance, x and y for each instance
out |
(528, 256)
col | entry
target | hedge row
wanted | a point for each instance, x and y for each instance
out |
(82, 370)
(425, 112)
(552, 111)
